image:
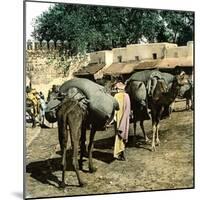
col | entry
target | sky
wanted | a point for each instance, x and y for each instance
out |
(34, 9)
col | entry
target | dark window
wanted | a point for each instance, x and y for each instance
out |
(137, 58)
(154, 56)
(100, 61)
(119, 58)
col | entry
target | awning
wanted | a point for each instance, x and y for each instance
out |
(147, 64)
(120, 68)
(90, 69)
(174, 62)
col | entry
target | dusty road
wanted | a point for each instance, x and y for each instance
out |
(170, 167)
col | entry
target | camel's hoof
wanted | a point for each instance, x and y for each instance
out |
(82, 184)
(158, 142)
(147, 141)
(63, 185)
(92, 169)
(153, 148)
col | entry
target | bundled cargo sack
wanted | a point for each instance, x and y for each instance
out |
(137, 92)
(145, 75)
(101, 104)
(50, 112)
(168, 78)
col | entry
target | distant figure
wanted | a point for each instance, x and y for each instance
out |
(42, 108)
(53, 92)
(32, 95)
(121, 121)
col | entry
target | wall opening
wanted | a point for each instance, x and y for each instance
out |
(154, 56)
(119, 59)
(137, 58)
(100, 61)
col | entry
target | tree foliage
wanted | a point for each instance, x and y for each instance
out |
(92, 28)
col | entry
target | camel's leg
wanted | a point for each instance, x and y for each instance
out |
(157, 125)
(82, 145)
(60, 134)
(153, 146)
(90, 148)
(157, 136)
(62, 185)
(144, 133)
(134, 128)
(64, 133)
(134, 133)
(153, 117)
(75, 129)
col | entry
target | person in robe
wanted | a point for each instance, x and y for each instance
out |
(121, 119)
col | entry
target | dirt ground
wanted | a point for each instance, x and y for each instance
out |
(170, 167)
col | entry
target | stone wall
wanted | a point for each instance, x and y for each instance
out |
(42, 67)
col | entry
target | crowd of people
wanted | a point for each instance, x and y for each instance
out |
(36, 108)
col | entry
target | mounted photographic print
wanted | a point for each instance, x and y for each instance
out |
(108, 99)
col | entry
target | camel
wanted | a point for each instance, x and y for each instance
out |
(73, 115)
(74, 112)
(163, 95)
(160, 102)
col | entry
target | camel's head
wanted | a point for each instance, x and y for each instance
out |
(182, 79)
(179, 80)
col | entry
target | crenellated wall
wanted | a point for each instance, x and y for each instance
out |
(42, 67)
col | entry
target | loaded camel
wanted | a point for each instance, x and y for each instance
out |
(162, 97)
(76, 112)
(140, 86)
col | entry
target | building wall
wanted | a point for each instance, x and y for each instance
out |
(45, 64)
(108, 62)
(146, 51)
(97, 57)
(108, 57)
(101, 57)
(177, 52)
(119, 52)
(181, 51)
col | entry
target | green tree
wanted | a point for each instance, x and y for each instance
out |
(92, 28)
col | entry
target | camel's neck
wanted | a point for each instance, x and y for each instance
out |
(174, 89)
(167, 98)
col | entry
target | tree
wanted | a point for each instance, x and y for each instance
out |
(92, 28)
